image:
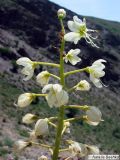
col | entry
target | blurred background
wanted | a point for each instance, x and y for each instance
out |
(30, 28)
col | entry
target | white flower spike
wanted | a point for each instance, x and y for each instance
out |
(56, 95)
(43, 78)
(96, 72)
(25, 99)
(83, 85)
(79, 30)
(29, 118)
(28, 69)
(61, 13)
(41, 127)
(94, 116)
(72, 56)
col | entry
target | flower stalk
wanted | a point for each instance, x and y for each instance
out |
(84, 108)
(75, 71)
(47, 64)
(54, 76)
(61, 111)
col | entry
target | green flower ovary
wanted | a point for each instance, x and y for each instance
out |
(82, 30)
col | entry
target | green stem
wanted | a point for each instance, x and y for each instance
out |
(39, 95)
(52, 124)
(58, 134)
(64, 150)
(52, 75)
(47, 64)
(84, 108)
(75, 71)
(72, 89)
(61, 111)
(53, 118)
(61, 55)
(39, 144)
(75, 119)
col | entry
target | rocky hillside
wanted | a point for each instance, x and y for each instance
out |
(31, 29)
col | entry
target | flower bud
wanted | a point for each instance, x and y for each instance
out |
(43, 158)
(67, 124)
(78, 149)
(93, 116)
(20, 145)
(41, 127)
(61, 13)
(43, 78)
(83, 86)
(29, 118)
(25, 99)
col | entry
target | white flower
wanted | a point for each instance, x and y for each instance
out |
(92, 149)
(93, 116)
(78, 149)
(41, 127)
(43, 158)
(61, 13)
(56, 95)
(20, 145)
(96, 72)
(25, 99)
(29, 118)
(28, 69)
(72, 56)
(79, 30)
(83, 85)
(82, 150)
(43, 78)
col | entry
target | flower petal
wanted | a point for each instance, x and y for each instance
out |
(25, 99)
(41, 127)
(62, 98)
(43, 78)
(76, 51)
(23, 61)
(73, 27)
(96, 81)
(47, 88)
(94, 114)
(72, 37)
(57, 88)
(76, 19)
(74, 60)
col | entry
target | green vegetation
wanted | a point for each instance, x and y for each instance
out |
(7, 3)
(111, 26)
(3, 151)
(8, 142)
(4, 50)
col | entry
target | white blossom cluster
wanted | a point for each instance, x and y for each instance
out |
(57, 95)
